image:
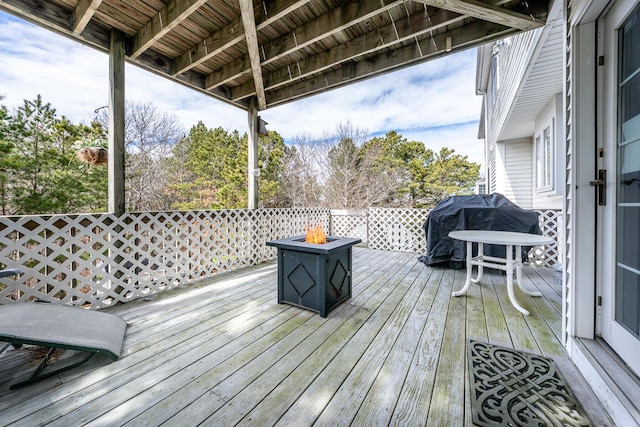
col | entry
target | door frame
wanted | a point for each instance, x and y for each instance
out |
(607, 118)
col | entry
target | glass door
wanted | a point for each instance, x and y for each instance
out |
(627, 312)
(620, 221)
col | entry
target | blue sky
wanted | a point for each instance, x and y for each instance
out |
(433, 102)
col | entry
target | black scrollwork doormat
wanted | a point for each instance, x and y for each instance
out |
(513, 388)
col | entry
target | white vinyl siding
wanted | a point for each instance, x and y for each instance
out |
(514, 58)
(492, 178)
(517, 164)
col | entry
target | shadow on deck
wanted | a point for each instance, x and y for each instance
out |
(223, 352)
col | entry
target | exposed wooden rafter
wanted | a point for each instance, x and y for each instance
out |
(487, 12)
(405, 29)
(231, 34)
(293, 49)
(162, 22)
(83, 13)
(324, 26)
(249, 23)
(427, 48)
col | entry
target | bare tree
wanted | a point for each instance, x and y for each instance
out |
(377, 180)
(150, 135)
(300, 185)
(358, 178)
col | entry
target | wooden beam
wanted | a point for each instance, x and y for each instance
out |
(162, 22)
(421, 22)
(463, 37)
(58, 19)
(83, 13)
(249, 23)
(212, 80)
(231, 34)
(487, 12)
(116, 123)
(324, 26)
(211, 46)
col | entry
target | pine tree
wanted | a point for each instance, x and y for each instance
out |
(39, 172)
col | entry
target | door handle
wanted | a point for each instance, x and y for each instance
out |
(601, 183)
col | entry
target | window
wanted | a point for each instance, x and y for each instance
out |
(481, 188)
(544, 158)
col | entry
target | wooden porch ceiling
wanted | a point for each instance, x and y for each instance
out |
(280, 50)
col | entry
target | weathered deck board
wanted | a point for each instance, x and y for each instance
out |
(209, 398)
(497, 328)
(351, 332)
(415, 396)
(450, 374)
(251, 325)
(356, 367)
(383, 396)
(224, 353)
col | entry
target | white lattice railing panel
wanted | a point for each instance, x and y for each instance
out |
(397, 229)
(550, 221)
(347, 223)
(101, 260)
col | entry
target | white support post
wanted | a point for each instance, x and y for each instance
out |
(252, 165)
(116, 123)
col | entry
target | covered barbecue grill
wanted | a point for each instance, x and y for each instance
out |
(477, 212)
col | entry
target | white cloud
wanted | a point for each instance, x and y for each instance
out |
(74, 79)
(433, 102)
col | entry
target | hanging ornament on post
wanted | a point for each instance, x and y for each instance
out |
(93, 155)
(262, 127)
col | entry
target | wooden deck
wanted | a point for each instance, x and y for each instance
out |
(224, 352)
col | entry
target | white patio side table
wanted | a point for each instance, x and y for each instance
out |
(507, 238)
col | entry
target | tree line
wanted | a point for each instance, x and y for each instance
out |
(167, 168)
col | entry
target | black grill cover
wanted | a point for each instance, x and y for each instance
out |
(477, 212)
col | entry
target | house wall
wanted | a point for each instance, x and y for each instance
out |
(553, 198)
(517, 166)
(580, 158)
(511, 163)
(496, 174)
(513, 57)
(579, 292)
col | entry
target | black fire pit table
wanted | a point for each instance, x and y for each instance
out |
(314, 276)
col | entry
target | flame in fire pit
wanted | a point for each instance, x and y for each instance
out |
(315, 235)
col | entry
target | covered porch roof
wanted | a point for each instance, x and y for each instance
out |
(277, 51)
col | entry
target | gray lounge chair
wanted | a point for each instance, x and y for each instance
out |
(10, 272)
(60, 326)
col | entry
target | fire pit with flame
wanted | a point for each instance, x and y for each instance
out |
(316, 276)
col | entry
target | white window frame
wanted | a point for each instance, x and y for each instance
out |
(481, 187)
(544, 150)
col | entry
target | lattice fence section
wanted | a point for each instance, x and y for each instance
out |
(346, 223)
(550, 221)
(101, 260)
(401, 230)
(397, 229)
(279, 223)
